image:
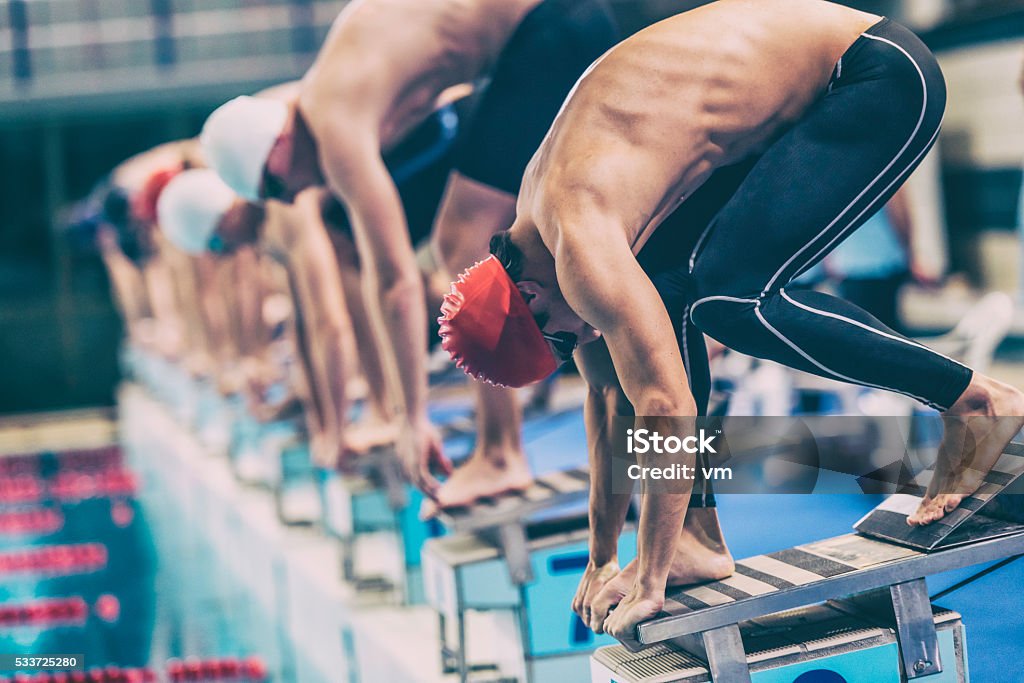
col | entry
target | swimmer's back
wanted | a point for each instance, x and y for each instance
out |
(388, 61)
(652, 118)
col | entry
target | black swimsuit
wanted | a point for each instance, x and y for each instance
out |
(723, 260)
(419, 165)
(550, 49)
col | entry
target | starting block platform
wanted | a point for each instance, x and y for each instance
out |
(543, 641)
(704, 621)
(376, 499)
(826, 643)
(275, 456)
(518, 558)
(502, 520)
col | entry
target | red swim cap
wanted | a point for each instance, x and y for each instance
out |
(144, 202)
(488, 329)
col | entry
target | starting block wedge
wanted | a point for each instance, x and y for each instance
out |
(888, 521)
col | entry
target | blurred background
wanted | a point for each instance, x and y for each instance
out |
(84, 84)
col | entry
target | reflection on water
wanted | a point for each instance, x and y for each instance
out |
(93, 561)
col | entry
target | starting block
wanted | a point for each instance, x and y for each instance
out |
(213, 417)
(829, 643)
(296, 498)
(535, 637)
(511, 559)
(376, 499)
(256, 448)
(274, 455)
(501, 520)
(704, 621)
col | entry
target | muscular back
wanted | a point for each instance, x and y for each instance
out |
(655, 116)
(385, 63)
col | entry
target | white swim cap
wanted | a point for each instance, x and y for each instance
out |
(191, 207)
(238, 137)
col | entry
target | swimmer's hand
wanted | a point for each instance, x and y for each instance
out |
(595, 578)
(230, 381)
(423, 455)
(325, 450)
(640, 604)
(106, 240)
(199, 365)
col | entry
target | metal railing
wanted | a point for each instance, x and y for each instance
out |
(53, 50)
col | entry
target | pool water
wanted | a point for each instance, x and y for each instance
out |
(86, 568)
(100, 560)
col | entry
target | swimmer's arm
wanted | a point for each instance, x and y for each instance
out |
(897, 210)
(231, 283)
(213, 307)
(605, 400)
(229, 280)
(161, 291)
(604, 284)
(303, 372)
(356, 173)
(253, 335)
(126, 283)
(188, 304)
(602, 281)
(318, 282)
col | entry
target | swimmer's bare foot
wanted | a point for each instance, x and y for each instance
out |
(701, 555)
(982, 422)
(642, 603)
(362, 437)
(485, 474)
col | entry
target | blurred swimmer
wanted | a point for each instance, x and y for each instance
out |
(385, 67)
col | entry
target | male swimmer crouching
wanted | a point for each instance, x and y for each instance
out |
(695, 170)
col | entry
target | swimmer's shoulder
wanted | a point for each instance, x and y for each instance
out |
(132, 173)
